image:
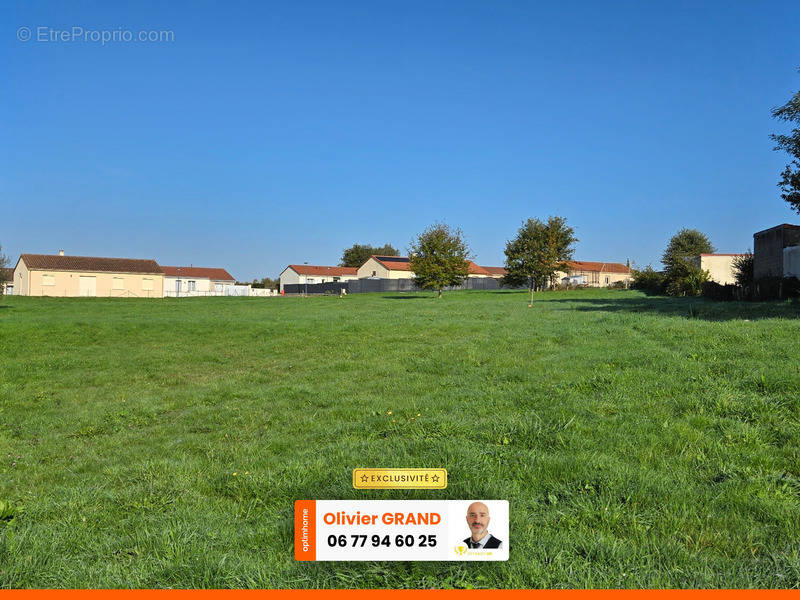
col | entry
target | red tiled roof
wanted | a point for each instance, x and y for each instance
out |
(55, 262)
(199, 273)
(321, 270)
(477, 270)
(494, 271)
(601, 267)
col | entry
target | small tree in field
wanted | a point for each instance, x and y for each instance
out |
(682, 275)
(439, 258)
(539, 250)
(743, 269)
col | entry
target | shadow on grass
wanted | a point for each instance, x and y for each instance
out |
(689, 308)
(416, 297)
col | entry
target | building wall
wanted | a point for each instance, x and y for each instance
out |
(171, 284)
(719, 267)
(768, 248)
(289, 276)
(21, 279)
(596, 278)
(67, 284)
(371, 265)
(791, 261)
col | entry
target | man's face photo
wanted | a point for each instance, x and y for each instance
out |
(478, 519)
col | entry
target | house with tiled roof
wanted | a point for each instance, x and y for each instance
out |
(313, 274)
(496, 272)
(399, 267)
(197, 281)
(70, 276)
(595, 274)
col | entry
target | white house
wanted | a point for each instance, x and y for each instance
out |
(311, 274)
(198, 281)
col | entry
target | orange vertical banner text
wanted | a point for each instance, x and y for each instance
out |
(305, 530)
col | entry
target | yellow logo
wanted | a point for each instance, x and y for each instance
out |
(407, 479)
(461, 550)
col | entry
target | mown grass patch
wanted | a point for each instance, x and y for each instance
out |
(640, 441)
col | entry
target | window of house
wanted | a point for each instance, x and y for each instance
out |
(335, 279)
(117, 283)
(147, 284)
(192, 285)
(48, 280)
(310, 280)
(374, 273)
(606, 279)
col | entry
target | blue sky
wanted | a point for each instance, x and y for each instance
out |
(266, 134)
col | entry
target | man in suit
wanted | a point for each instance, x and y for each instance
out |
(478, 521)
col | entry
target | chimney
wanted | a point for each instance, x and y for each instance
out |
(61, 253)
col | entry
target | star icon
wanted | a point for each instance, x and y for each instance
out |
(364, 478)
(435, 478)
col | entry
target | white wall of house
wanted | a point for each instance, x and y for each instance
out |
(719, 267)
(197, 286)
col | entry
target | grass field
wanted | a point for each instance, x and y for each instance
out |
(640, 441)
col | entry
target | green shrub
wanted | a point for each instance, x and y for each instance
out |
(649, 280)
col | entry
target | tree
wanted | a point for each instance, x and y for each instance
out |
(743, 269)
(357, 254)
(682, 273)
(439, 257)
(539, 250)
(790, 178)
(648, 279)
(266, 283)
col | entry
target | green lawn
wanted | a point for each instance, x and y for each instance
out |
(640, 441)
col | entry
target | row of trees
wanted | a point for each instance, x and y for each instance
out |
(439, 256)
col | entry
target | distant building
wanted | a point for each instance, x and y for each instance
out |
(595, 274)
(719, 266)
(71, 276)
(775, 252)
(496, 272)
(312, 274)
(8, 281)
(197, 281)
(399, 267)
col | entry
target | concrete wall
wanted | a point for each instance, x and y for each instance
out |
(768, 248)
(791, 261)
(719, 267)
(68, 283)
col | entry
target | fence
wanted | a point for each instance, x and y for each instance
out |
(361, 286)
(228, 290)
